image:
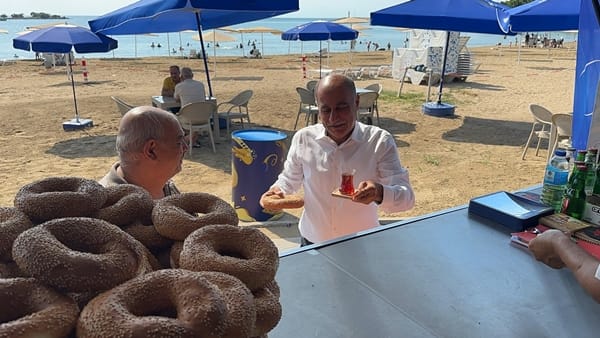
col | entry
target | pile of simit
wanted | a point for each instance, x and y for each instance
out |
(79, 259)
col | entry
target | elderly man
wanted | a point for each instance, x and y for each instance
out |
(189, 90)
(151, 146)
(320, 153)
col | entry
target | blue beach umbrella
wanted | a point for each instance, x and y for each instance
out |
(162, 16)
(474, 16)
(545, 16)
(319, 31)
(63, 39)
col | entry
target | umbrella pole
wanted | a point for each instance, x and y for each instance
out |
(73, 86)
(168, 45)
(210, 93)
(320, 57)
(444, 67)
(243, 51)
(215, 51)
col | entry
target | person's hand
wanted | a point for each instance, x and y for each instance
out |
(544, 250)
(367, 192)
(271, 192)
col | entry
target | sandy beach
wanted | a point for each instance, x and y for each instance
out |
(450, 160)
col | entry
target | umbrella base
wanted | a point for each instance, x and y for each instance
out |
(438, 109)
(74, 124)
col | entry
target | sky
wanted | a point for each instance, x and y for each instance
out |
(308, 8)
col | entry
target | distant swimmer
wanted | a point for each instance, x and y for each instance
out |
(158, 45)
(152, 45)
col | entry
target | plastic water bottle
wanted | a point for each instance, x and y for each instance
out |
(555, 180)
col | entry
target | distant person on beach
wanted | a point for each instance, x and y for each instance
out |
(189, 91)
(169, 83)
(151, 146)
(320, 153)
(557, 250)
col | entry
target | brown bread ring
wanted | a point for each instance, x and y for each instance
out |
(126, 204)
(241, 313)
(175, 254)
(176, 216)
(268, 308)
(30, 309)
(148, 236)
(164, 303)
(57, 197)
(12, 223)
(275, 202)
(243, 252)
(80, 254)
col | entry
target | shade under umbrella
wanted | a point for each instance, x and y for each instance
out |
(475, 16)
(320, 31)
(63, 39)
(162, 16)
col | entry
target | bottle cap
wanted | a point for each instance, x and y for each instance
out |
(560, 152)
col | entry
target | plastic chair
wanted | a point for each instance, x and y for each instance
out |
(310, 85)
(561, 131)
(378, 88)
(308, 106)
(366, 104)
(123, 106)
(239, 101)
(541, 117)
(196, 116)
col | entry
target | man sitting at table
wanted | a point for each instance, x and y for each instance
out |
(168, 87)
(189, 91)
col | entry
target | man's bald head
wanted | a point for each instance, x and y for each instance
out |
(139, 125)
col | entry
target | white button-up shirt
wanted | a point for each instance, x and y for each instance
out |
(189, 91)
(315, 162)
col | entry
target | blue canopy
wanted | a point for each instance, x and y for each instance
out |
(63, 38)
(474, 16)
(545, 15)
(162, 16)
(319, 31)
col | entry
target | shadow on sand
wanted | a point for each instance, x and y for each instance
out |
(491, 132)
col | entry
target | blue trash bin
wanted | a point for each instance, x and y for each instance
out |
(257, 157)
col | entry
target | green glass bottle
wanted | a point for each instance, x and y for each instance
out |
(575, 197)
(590, 162)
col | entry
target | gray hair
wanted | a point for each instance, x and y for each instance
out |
(139, 125)
(186, 73)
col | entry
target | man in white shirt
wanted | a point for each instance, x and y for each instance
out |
(320, 153)
(189, 90)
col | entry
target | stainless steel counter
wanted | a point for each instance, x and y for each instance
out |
(447, 274)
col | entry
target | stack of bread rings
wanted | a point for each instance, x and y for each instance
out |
(81, 260)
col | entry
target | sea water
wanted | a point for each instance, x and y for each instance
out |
(180, 44)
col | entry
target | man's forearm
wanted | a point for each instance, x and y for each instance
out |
(581, 263)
